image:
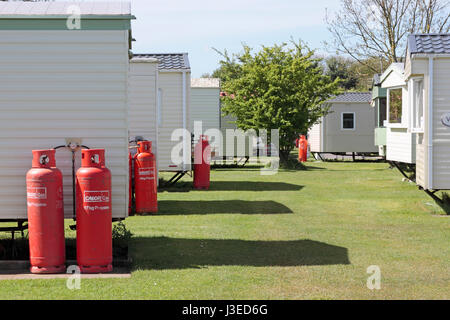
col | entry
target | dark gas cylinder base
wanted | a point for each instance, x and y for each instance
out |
(147, 211)
(201, 188)
(96, 269)
(48, 270)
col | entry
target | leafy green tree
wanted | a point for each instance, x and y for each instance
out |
(339, 68)
(280, 87)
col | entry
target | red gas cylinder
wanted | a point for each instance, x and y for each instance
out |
(202, 160)
(145, 179)
(302, 149)
(45, 214)
(94, 215)
(130, 183)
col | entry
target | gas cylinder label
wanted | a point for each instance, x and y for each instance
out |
(96, 196)
(146, 171)
(38, 193)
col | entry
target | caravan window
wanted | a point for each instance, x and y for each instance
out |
(382, 105)
(395, 105)
(417, 104)
(348, 121)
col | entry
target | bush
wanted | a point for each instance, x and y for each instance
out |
(292, 164)
(121, 235)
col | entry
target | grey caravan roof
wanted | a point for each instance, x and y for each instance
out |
(168, 61)
(429, 43)
(353, 97)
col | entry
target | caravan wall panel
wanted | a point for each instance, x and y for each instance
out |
(56, 85)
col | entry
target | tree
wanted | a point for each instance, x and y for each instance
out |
(279, 87)
(352, 74)
(365, 29)
(339, 68)
(364, 72)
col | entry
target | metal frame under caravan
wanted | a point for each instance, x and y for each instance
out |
(348, 128)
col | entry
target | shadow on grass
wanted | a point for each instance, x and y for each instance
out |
(443, 202)
(253, 186)
(185, 186)
(161, 253)
(18, 249)
(241, 169)
(178, 207)
(307, 168)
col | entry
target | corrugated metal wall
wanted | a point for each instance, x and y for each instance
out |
(56, 85)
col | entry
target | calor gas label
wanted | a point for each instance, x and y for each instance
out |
(38, 193)
(96, 196)
(146, 172)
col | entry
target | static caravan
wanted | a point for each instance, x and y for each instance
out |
(239, 150)
(205, 106)
(380, 105)
(172, 109)
(143, 100)
(427, 74)
(61, 85)
(400, 141)
(349, 127)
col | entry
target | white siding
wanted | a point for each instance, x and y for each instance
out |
(361, 139)
(171, 85)
(441, 133)
(400, 145)
(422, 138)
(142, 95)
(421, 149)
(407, 70)
(205, 107)
(314, 138)
(56, 85)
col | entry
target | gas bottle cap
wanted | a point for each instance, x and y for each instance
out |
(145, 146)
(44, 158)
(93, 157)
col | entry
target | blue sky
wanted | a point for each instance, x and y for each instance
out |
(195, 26)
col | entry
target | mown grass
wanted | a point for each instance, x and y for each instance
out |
(294, 235)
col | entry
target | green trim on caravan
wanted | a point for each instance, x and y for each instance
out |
(59, 22)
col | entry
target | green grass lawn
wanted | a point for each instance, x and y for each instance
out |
(295, 235)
